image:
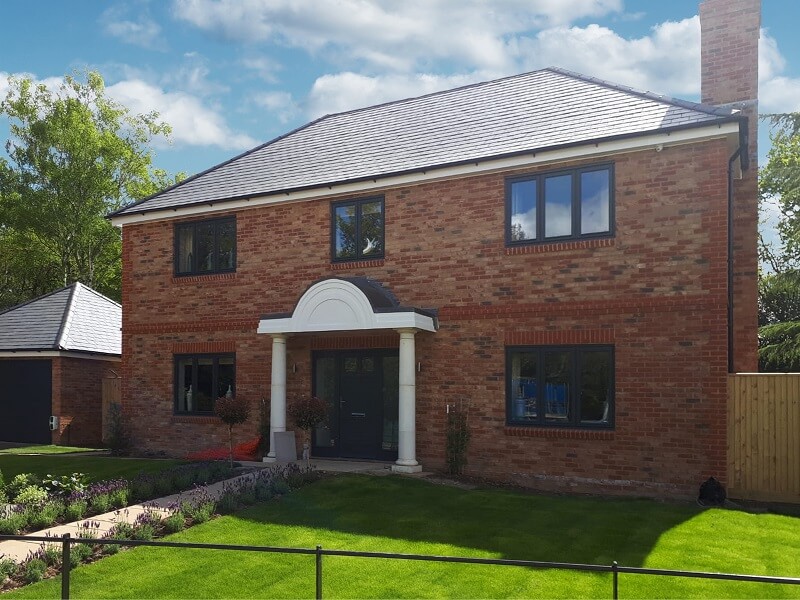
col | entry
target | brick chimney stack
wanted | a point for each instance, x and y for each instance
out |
(729, 31)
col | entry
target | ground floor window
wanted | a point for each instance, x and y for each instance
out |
(561, 386)
(202, 378)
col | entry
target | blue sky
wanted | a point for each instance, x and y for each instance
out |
(229, 74)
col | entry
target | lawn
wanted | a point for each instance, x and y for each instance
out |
(97, 467)
(399, 514)
(45, 449)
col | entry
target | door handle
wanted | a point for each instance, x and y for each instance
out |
(358, 414)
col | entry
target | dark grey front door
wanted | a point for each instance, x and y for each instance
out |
(361, 390)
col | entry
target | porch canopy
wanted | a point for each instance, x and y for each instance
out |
(351, 304)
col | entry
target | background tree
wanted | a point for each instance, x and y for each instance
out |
(779, 285)
(74, 155)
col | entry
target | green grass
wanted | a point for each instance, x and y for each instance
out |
(397, 514)
(96, 467)
(45, 449)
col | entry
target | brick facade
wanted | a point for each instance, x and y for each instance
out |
(656, 291)
(77, 399)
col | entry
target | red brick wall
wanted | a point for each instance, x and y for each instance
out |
(77, 400)
(656, 291)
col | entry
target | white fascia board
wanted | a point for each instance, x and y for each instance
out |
(56, 354)
(394, 320)
(479, 167)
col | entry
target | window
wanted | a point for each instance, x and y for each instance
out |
(202, 378)
(560, 386)
(357, 229)
(561, 205)
(204, 247)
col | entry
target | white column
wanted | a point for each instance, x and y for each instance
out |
(277, 404)
(407, 439)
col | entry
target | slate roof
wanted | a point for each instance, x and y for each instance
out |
(540, 110)
(75, 318)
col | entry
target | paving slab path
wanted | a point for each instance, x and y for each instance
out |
(101, 525)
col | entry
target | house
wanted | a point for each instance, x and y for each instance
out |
(570, 260)
(54, 353)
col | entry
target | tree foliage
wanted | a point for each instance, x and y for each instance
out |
(74, 155)
(779, 288)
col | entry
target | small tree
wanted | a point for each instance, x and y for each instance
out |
(457, 438)
(118, 437)
(232, 411)
(307, 412)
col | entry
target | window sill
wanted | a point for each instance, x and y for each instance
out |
(357, 264)
(196, 419)
(557, 432)
(210, 278)
(535, 248)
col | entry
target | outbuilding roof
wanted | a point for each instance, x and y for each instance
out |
(532, 112)
(75, 318)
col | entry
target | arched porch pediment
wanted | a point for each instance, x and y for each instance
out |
(339, 304)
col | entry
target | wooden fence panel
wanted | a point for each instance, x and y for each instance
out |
(112, 394)
(764, 436)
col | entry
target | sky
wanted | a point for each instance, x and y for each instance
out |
(230, 74)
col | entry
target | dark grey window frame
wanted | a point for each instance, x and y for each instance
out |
(193, 225)
(540, 178)
(575, 421)
(214, 380)
(358, 203)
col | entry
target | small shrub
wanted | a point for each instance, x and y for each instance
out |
(119, 497)
(142, 488)
(280, 487)
(122, 531)
(110, 549)
(101, 503)
(14, 523)
(30, 495)
(228, 503)
(44, 515)
(19, 482)
(75, 510)
(65, 485)
(263, 490)
(174, 523)
(7, 568)
(183, 480)
(79, 553)
(34, 570)
(163, 485)
(200, 511)
(144, 532)
(51, 554)
(118, 436)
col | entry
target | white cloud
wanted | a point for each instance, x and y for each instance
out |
(263, 66)
(192, 122)
(667, 61)
(777, 93)
(389, 34)
(346, 91)
(281, 104)
(140, 30)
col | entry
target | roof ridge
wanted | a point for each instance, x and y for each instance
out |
(66, 318)
(101, 296)
(705, 108)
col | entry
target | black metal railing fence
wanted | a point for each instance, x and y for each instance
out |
(66, 542)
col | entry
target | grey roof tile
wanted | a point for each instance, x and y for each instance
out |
(525, 113)
(75, 318)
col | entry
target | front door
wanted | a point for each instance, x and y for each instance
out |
(361, 389)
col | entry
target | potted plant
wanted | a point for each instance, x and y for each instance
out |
(307, 412)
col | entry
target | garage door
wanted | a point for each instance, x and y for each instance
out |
(25, 401)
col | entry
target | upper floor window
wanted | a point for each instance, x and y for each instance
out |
(203, 247)
(202, 378)
(570, 386)
(560, 205)
(357, 229)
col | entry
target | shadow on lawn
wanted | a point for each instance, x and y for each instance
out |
(508, 524)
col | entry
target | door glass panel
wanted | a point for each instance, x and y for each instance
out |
(523, 211)
(558, 206)
(557, 373)
(524, 386)
(391, 378)
(325, 389)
